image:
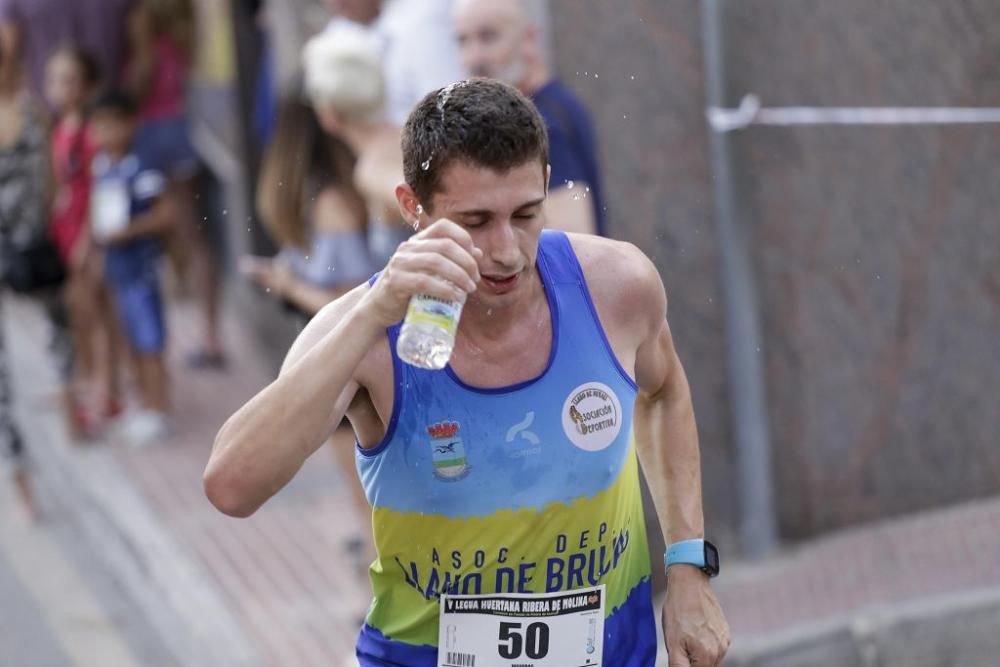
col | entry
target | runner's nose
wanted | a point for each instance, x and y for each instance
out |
(503, 249)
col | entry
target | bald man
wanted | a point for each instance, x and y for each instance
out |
(500, 39)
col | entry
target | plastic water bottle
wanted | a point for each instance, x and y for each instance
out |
(427, 336)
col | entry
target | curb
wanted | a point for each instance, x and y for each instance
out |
(942, 631)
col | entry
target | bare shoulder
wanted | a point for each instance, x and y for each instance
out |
(620, 277)
(338, 210)
(381, 154)
(379, 169)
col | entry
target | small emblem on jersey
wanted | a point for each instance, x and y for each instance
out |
(592, 416)
(447, 451)
(521, 429)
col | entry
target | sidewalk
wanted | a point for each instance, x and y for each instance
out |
(948, 551)
(273, 589)
(277, 588)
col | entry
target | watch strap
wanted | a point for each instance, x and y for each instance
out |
(687, 552)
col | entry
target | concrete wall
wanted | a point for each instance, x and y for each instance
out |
(877, 250)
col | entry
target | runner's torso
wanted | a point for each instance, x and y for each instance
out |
(529, 488)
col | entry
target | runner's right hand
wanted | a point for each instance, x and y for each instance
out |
(440, 261)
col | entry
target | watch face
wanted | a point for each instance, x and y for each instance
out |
(711, 559)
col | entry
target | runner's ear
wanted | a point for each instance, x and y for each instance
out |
(410, 207)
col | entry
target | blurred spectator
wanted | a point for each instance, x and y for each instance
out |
(162, 34)
(265, 89)
(310, 208)
(71, 77)
(308, 203)
(416, 44)
(343, 78)
(498, 39)
(22, 218)
(129, 215)
(31, 30)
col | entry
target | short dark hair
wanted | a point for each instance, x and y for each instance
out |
(481, 122)
(116, 101)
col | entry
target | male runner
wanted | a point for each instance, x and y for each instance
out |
(511, 474)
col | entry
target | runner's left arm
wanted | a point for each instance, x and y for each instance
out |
(667, 444)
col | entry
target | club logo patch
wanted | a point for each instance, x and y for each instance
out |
(592, 416)
(447, 451)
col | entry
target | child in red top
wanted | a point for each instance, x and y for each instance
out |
(70, 78)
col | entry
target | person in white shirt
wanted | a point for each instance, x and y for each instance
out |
(417, 43)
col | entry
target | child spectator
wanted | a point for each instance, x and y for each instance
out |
(70, 78)
(130, 214)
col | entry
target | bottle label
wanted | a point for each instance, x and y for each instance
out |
(426, 309)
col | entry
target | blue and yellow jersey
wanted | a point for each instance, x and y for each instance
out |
(530, 488)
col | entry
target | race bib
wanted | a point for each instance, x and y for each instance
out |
(515, 630)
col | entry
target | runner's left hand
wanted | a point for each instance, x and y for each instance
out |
(694, 628)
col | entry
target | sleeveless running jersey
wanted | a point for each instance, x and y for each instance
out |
(529, 488)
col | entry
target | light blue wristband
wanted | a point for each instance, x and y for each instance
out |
(687, 552)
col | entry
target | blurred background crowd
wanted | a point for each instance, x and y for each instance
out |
(184, 183)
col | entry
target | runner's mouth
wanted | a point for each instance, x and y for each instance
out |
(501, 284)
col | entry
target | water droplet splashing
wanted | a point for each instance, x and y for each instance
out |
(445, 95)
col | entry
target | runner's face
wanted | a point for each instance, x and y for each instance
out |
(503, 213)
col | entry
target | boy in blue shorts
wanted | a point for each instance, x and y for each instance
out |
(129, 213)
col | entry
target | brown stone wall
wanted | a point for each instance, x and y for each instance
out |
(876, 250)
(877, 253)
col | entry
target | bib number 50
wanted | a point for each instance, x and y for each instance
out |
(534, 642)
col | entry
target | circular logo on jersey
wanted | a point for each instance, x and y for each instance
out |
(592, 416)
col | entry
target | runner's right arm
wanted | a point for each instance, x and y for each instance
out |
(261, 447)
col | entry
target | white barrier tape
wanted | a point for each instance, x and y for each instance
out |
(750, 113)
